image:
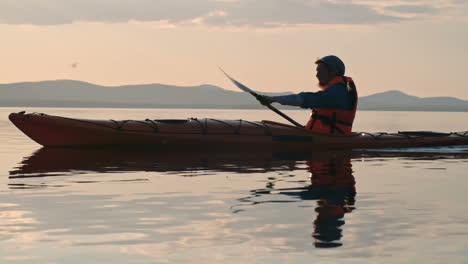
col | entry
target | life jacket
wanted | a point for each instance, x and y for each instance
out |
(335, 120)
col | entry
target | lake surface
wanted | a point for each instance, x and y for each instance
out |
(101, 206)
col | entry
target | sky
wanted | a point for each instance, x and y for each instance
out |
(417, 46)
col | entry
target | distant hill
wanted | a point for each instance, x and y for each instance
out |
(63, 93)
(399, 101)
(69, 93)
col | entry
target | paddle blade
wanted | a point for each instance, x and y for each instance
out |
(248, 90)
(238, 84)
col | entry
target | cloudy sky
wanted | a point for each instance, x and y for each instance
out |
(417, 46)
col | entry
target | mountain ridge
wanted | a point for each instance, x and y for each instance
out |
(73, 93)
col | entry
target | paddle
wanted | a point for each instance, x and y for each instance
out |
(248, 90)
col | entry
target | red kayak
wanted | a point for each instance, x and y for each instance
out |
(207, 133)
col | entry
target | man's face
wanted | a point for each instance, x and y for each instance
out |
(323, 75)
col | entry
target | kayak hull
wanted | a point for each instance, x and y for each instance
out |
(56, 131)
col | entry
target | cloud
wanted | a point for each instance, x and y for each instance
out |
(273, 13)
(252, 13)
(415, 9)
(52, 12)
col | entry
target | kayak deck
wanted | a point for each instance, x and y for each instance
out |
(49, 130)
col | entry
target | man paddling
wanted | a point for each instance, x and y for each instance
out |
(334, 107)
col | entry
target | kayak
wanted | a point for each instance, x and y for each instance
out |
(208, 133)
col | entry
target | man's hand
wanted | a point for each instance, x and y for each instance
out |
(264, 100)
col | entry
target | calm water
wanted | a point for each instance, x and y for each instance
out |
(85, 206)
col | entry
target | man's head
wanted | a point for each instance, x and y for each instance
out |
(328, 68)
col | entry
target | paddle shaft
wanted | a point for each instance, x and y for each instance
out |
(272, 108)
(283, 115)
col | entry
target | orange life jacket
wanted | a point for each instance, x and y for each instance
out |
(335, 120)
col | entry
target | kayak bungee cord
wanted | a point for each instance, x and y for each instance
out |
(250, 91)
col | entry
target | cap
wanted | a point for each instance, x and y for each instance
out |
(334, 63)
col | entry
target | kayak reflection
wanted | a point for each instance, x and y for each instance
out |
(68, 161)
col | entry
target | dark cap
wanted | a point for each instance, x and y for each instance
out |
(334, 63)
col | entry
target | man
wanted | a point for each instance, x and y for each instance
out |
(334, 107)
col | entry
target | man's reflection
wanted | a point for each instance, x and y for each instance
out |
(333, 185)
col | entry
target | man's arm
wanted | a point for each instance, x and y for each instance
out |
(334, 97)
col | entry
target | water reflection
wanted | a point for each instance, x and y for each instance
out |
(166, 215)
